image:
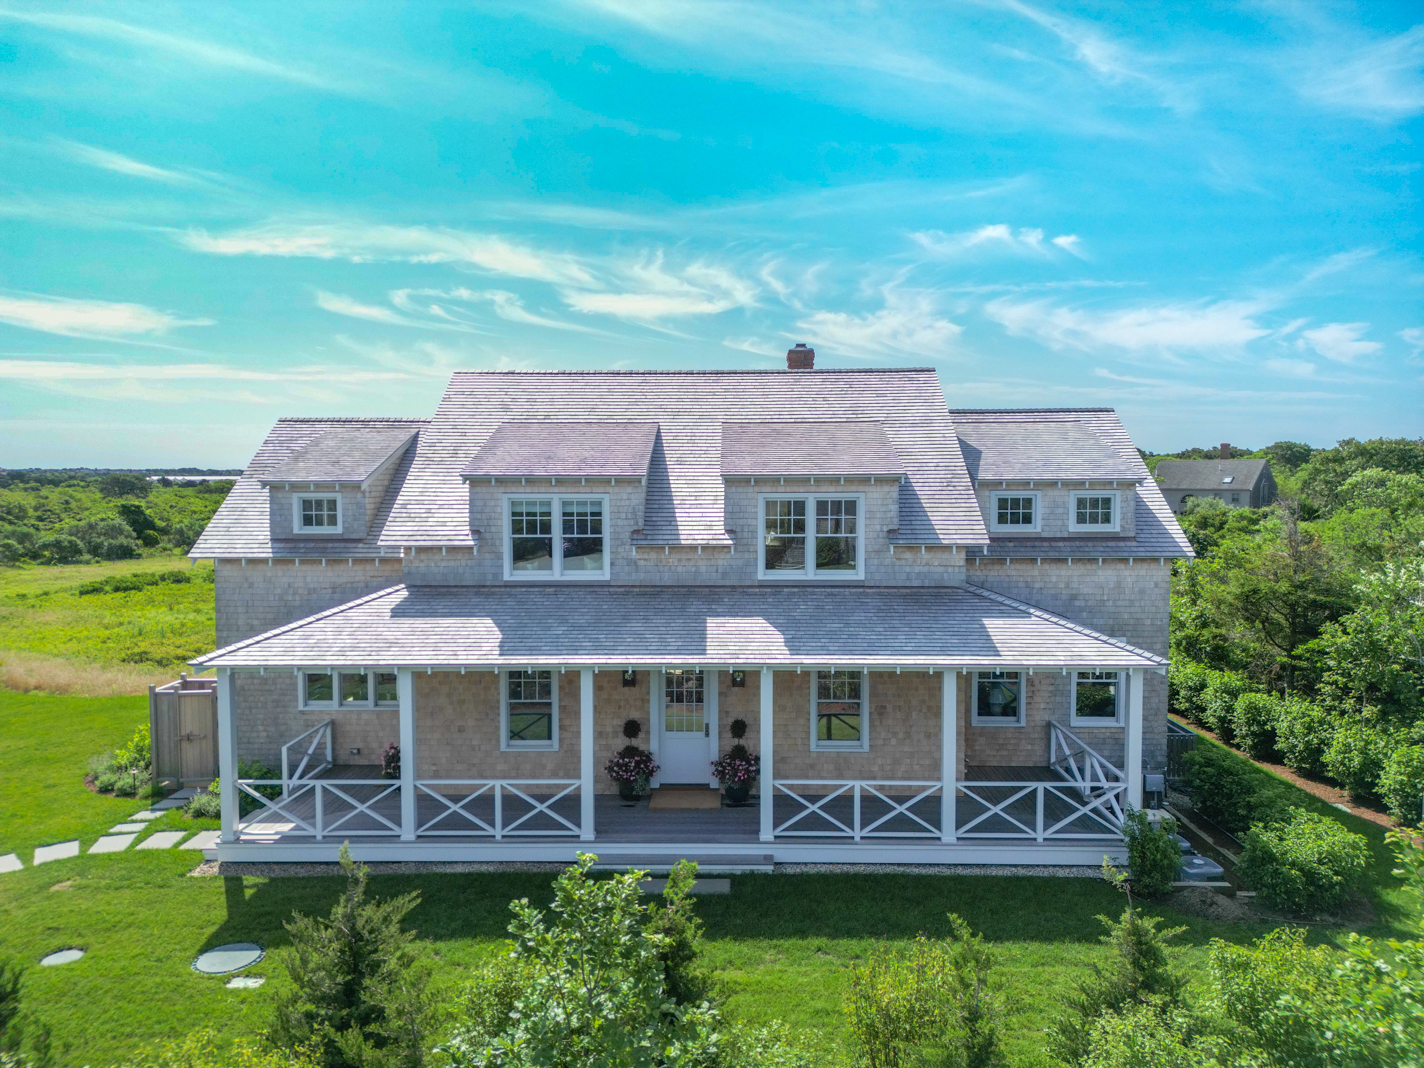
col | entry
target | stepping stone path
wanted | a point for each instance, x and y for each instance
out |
(232, 957)
(127, 828)
(58, 851)
(10, 862)
(64, 956)
(162, 840)
(112, 843)
(203, 840)
(146, 815)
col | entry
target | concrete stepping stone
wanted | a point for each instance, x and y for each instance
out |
(146, 815)
(58, 851)
(203, 840)
(64, 956)
(232, 957)
(127, 828)
(169, 803)
(162, 840)
(10, 862)
(246, 982)
(113, 843)
(699, 886)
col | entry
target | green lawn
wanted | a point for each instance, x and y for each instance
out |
(784, 944)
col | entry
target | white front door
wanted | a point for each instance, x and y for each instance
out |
(686, 730)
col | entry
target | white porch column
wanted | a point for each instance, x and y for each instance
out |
(768, 746)
(1133, 761)
(405, 695)
(949, 753)
(227, 756)
(586, 754)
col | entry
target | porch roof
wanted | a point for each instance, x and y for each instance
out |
(622, 626)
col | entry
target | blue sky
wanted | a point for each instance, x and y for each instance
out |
(1203, 215)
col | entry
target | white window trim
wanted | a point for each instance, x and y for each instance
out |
(335, 705)
(862, 746)
(505, 744)
(1096, 721)
(810, 572)
(556, 575)
(998, 721)
(994, 512)
(1073, 524)
(298, 498)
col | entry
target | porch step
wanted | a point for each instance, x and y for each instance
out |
(707, 863)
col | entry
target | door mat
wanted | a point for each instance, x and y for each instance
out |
(685, 797)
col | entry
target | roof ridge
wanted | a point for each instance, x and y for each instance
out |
(1015, 411)
(350, 419)
(1063, 621)
(734, 371)
(297, 624)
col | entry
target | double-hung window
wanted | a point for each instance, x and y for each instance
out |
(1015, 511)
(529, 713)
(553, 537)
(1093, 510)
(808, 536)
(683, 701)
(1097, 699)
(348, 689)
(998, 699)
(316, 513)
(838, 711)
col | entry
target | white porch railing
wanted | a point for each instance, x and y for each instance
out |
(320, 808)
(498, 808)
(1079, 762)
(843, 808)
(315, 759)
(1039, 811)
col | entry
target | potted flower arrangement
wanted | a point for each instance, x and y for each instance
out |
(738, 768)
(633, 768)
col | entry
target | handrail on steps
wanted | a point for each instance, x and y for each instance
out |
(318, 734)
(1096, 771)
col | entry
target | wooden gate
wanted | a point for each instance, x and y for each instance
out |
(183, 730)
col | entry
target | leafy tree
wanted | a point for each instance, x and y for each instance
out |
(1287, 454)
(60, 549)
(1305, 863)
(137, 519)
(1323, 479)
(1154, 857)
(359, 997)
(679, 933)
(124, 484)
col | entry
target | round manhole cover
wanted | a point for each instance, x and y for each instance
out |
(64, 956)
(230, 958)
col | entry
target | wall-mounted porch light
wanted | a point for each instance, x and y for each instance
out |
(739, 678)
(630, 677)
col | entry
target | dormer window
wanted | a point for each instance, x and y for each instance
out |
(812, 537)
(556, 537)
(1014, 512)
(316, 513)
(1093, 510)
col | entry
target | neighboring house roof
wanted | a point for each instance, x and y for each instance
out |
(1049, 445)
(349, 452)
(492, 626)
(242, 525)
(548, 449)
(1211, 475)
(1156, 531)
(684, 502)
(807, 448)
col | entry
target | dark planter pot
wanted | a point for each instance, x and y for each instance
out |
(737, 793)
(628, 793)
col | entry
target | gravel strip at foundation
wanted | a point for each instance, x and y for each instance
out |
(1060, 871)
(409, 867)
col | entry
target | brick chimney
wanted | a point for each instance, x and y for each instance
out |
(801, 358)
(1225, 451)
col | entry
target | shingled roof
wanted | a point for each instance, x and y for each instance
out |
(807, 448)
(549, 449)
(493, 626)
(1047, 445)
(347, 452)
(1210, 474)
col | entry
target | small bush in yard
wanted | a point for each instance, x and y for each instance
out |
(1219, 702)
(1306, 863)
(205, 805)
(1253, 723)
(1402, 784)
(1142, 1036)
(1186, 683)
(1231, 791)
(1153, 854)
(1304, 732)
(1357, 756)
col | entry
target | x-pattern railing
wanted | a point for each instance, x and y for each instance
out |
(858, 790)
(1065, 752)
(307, 806)
(496, 789)
(1103, 809)
(318, 741)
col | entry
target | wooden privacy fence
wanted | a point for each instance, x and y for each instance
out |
(183, 730)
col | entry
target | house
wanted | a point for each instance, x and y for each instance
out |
(945, 632)
(1236, 483)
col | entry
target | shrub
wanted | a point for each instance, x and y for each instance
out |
(1186, 684)
(10, 552)
(60, 549)
(108, 539)
(205, 1049)
(1304, 732)
(205, 805)
(150, 539)
(184, 534)
(1402, 783)
(1230, 791)
(1144, 1037)
(1219, 702)
(359, 983)
(1357, 756)
(1253, 722)
(135, 755)
(1153, 854)
(124, 484)
(1307, 863)
(680, 936)
(106, 780)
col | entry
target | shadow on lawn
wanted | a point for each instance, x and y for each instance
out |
(476, 907)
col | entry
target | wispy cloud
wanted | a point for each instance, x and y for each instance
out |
(910, 324)
(1166, 328)
(348, 306)
(993, 237)
(1413, 337)
(506, 305)
(89, 318)
(409, 244)
(1341, 342)
(1384, 79)
(118, 163)
(647, 291)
